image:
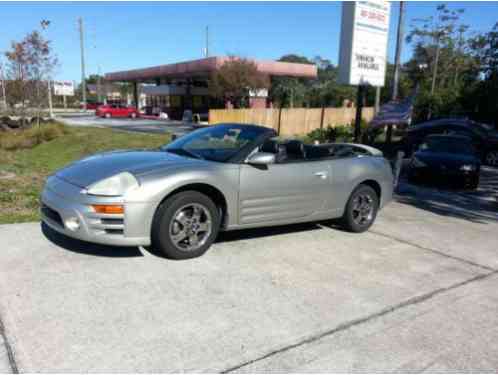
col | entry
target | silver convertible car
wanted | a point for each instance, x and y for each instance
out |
(224, 177)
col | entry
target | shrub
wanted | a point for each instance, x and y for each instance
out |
(29, 138)
(339, 133)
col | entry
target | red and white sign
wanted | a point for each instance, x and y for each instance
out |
(363, 48)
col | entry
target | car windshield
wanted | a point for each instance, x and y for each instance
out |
(216, 143)
(449, 145)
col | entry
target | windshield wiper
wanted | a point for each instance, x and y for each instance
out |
(184, 152)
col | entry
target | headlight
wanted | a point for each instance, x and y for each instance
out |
(418, 163)
(468, 168)
(114, 186)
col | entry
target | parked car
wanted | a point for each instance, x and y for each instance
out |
(223, 177)
(91, 106)
(448, 159)
(484, 137)
(116, 110)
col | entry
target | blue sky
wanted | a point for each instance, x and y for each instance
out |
(125, 35)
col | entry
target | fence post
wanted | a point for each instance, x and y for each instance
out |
(322, 118)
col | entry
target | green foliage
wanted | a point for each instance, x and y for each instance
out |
(339, 133)
(235, 78)
(301, 92)
(29, 167)
(29, 138)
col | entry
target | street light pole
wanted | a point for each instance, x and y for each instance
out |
(399, 46)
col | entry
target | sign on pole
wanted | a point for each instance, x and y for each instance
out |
(64, 88)
(363, 43)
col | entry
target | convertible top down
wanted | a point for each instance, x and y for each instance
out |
(224, 177)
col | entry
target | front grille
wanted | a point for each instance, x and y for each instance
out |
(112, 221)
(52, 215)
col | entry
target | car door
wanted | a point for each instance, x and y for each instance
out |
(122, 111)
(282, 192)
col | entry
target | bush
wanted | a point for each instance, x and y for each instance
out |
(29, 138)
(339, 133)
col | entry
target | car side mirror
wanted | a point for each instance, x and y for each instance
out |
(261, 158)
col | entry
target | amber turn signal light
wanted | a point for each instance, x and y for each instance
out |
(108, 208)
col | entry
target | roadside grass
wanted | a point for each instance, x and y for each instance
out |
(23, 170)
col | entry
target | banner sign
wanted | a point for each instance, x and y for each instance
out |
(363, 42)
(64, 88)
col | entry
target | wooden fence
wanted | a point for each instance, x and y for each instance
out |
(290, 121)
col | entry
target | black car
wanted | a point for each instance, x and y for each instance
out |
(484, 137)
(448, 159)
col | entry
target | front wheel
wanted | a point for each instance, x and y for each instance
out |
(361, 209)
(185, 225)
(107, 115)
(133, 115)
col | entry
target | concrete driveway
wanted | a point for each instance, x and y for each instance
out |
(419, 292)
(135, 125)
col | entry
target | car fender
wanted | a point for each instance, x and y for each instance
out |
(158, 186)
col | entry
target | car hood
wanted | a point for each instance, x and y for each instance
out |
(446, 159)
(97, 167)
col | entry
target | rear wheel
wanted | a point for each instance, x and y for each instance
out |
(361, 209)
(107, 115)
(133, 115)
(185, 225)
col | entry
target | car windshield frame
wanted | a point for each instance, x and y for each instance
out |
(222, 136)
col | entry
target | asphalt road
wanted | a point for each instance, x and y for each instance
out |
(418, 292)
(136, 125)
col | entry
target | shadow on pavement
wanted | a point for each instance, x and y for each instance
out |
(478, 206)
(245, 234)
(88, 248)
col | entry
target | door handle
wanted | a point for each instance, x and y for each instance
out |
(322, 175)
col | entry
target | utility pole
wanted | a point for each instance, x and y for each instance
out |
(436, 62)
(207, 42)
(399, 46)
(83, 76)
(99, 86)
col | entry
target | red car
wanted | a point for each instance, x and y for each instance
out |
(109, 111)
(91, 106)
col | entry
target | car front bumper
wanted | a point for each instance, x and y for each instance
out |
(443, 176)
(62, 202)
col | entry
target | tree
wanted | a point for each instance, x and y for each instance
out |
(290, 91)
(441, 41)
(30, 65)
(235, 79)
(436, 33)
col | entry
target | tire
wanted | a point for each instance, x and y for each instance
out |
(107, 115)
(133, 115)
(175, 228)
(474, 183)
(491, 158)
(351, 219)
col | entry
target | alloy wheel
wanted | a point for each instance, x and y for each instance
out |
(191, 227)
(363, 209)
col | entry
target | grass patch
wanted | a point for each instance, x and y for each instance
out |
(29, 138)
(27, 168)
